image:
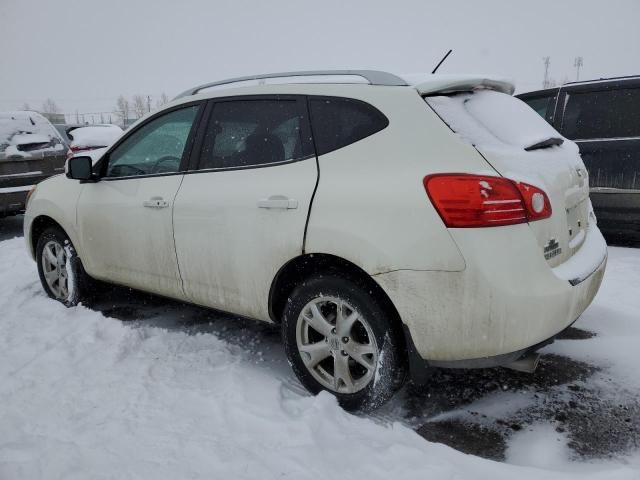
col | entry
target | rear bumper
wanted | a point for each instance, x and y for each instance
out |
(507, 299)
(13, 200)
(617, 210)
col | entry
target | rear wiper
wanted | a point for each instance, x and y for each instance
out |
(549, 142)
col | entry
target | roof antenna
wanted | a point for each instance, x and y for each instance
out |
(442, 61)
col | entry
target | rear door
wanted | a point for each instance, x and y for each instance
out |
(240, 215)
(513, 139)
(604, 120)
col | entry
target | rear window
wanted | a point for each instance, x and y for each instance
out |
(602, 114)
(486, 118)
(338, 122)
(27, 134)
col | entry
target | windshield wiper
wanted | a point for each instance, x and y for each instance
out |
(549, 142)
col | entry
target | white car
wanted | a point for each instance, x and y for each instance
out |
(388, 227)
(92, 137)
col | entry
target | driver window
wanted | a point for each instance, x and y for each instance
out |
(156, 147)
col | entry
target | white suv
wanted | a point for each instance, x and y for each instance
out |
(388, 227)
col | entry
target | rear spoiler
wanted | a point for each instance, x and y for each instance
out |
(443, 84)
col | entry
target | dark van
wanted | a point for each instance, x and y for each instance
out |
(31, 149)
(603, 118)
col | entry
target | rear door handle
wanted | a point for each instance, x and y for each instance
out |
(156, 202)
(278, 202)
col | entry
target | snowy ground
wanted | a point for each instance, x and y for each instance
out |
(133, 386)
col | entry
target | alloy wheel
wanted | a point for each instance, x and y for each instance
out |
(337, 345)
(55, 270)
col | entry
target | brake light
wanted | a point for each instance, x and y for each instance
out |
(464, 200)
(75, 149)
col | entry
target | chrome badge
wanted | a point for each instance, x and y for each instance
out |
(552, 249)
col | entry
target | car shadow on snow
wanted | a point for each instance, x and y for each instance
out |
(474, 411)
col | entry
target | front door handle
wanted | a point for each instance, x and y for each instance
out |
(278, 202)
(156, 202)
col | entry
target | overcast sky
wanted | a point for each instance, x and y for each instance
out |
(84, 53)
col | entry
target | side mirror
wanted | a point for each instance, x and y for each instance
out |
(80, 168)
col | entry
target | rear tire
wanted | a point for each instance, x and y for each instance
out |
(340, 339)
(59, 268)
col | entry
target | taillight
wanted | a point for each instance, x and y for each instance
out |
(75, 149)
(464, 200)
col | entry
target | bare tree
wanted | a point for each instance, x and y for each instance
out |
(49, 106)
(139, 105)
(162, 100)
(122, 109)
(25, 106)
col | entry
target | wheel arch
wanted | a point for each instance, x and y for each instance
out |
(38, 226)
(305, 266)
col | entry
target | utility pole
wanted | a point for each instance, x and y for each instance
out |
(578, 64)
(77, 117)
(547, 61)
(148, 103)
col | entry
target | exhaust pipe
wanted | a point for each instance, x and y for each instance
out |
(527, 363)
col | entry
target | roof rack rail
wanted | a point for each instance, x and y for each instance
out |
(624, 77)
(374, 77)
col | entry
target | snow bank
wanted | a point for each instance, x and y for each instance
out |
(84, 396)
(539, 446)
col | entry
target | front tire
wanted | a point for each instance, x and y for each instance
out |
(59, 267)
(340, 339)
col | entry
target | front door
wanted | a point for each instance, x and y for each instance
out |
(125, 219)
(241, 216)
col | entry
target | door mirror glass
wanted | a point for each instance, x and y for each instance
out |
(79, 168)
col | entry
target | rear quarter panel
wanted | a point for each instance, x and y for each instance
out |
(371, 207)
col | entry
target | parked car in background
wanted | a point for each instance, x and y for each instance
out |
(65, 128)
(91, 137)
(385, 225)
(603, 118)
(31, 149)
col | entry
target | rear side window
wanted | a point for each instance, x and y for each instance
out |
(338, 122)
(543, 106)
(602, 114)
(244, 133)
